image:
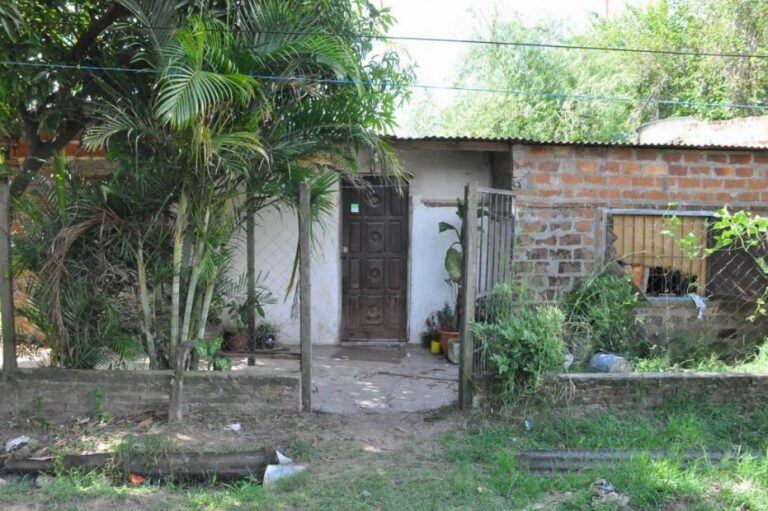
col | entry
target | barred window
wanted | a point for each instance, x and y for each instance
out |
(648, 246)
(664, 255)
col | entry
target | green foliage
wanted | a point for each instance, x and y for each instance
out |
(209, 349)
(74, 273)
(730, 26)
(747, 232)
(38, 410)
(98, 411)
(600, 308)
(446, 318)
(523, 338)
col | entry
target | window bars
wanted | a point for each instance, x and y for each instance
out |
(666, 254)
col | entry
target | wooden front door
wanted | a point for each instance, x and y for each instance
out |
(374, 257)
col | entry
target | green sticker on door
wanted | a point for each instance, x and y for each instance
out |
(354, 207)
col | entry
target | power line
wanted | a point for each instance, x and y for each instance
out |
(557, 46)
(518, 92)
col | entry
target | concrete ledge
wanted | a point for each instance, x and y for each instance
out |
(597, 391)
(64, 393)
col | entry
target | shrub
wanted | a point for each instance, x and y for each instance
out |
(523, 339)
(599, 310)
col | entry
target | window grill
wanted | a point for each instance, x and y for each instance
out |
(665, 254)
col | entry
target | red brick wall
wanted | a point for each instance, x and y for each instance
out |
(566, 190)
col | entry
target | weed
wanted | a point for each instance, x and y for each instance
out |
(38, 410)
(97, 400)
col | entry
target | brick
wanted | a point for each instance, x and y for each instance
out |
(541, 179)
(572, 179)
(744, 172)
(678, 170)
(724, 171)
(548, 166)
(692, 157)
(717, 157)
(620, 153)
(760, 158)
(583, 226)
(631, 167)
(740, 158)
(699, 170)
(713, 183)
(612, 166)
(570, 240)
(597, 179)
(569, 267)
(646, 154)
(671, 157)
(748, 196)
(586, 166)
(689, 182)
(656, 169)
(642, 181)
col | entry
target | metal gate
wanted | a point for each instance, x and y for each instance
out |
(488, 250)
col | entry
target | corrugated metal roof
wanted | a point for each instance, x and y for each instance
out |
(579, 143)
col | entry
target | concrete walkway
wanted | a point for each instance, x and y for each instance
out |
(360, 379)
(373, 379)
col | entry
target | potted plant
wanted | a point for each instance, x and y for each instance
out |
(429, 333)
(448, 328)
(265, 336)
(236, 336)
(454, 267)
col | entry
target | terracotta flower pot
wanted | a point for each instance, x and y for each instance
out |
(444, 336)
(236, 341)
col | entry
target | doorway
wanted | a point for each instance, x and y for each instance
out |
(374, 258)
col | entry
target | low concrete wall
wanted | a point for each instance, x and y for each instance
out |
(66, 393)
(641, 391)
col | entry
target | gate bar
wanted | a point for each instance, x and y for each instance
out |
(468, 285)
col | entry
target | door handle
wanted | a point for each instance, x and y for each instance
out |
(344, 250)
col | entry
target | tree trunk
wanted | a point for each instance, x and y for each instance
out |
(6, 280)
(145, 309)
(177, 388)
(195, 261)
(178, 246)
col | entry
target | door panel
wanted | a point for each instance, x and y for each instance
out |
(374, 262)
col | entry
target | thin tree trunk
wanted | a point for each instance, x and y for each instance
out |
(145, 308)
(176, 401)
(6, 280)
(251, 279)
(195, 260)
(205, 309)
(178, 246)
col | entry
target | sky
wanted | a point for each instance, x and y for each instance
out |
(437, 63)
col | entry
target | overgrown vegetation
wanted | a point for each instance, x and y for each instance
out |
(522, 337)
(600, 313)
(218, 114)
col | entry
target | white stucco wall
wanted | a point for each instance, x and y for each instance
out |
(439, 175)
(276, 238)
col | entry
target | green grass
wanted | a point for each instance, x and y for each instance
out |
(477, 468)
(756, 363)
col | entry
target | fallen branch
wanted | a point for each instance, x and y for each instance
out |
(180, 466)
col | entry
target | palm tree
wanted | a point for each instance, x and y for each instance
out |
(256, 97)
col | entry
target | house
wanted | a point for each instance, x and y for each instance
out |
(378, 268)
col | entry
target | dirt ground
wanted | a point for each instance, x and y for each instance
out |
(330, 442)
